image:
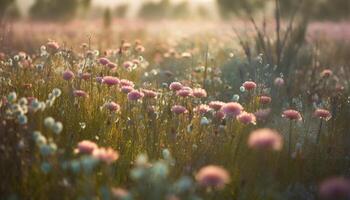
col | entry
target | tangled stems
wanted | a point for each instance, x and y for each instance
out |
(319, 132)
(290, 137)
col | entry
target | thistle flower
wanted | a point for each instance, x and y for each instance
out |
(110, 80)
(232, 109)
(85, 76)
(213, 176)
(177, 109)
(323, 114)
(292, 115)
(149, 93)
(249, 85)
(202, 109)
(107, 155)
(104, 61)
(279, 82)
(52, 46)
(57, 127)
(264, 99)
(175, 86)
(112, 106)
(120, 194)
(199, 93)
(335, 188)
(184, 92)
(326, 73)
(265, 139)
(135, 95)
(262, 114)
(111, 65)
(216, 105)
(68, 75)
(86, 147)
(124, 82)
(246, 118)
(128, 64)
(80, 93)
(126, 89)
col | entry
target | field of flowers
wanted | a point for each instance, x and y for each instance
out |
(134, 114)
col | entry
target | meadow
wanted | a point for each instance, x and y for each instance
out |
(168, 110)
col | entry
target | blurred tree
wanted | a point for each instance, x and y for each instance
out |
(54, 9)
(4, 5)
(237, 7)
(107, 18)
(154, 10)
(121, 10)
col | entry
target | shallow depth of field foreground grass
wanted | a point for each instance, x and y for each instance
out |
(261, 115)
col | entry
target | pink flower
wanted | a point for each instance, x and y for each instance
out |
(150, 93)
(177, 109)
(119, 194)
(110, 80)
(202, 109)
(99, 79)
(127, 64)
(232, 109)
(262, 114)
(265, 139)
(279, 82)
(80, 93)
(52, 46)
(219, 115)
(264, 99)
(111, 65)
(106, 155)
(86, 147)
(127, 89)
(104, 61)
(335, 188)
(323, 114)
(68, 75)
(249, 85)
(292, 115)
(112, 106)
(125, 82)
(85, 76)
(213, 176)
(199, 93)
(135, 95)
(216, 105)
(246, 118)
(184, 92)
(140, 48)
(175, 86)
(326, 73)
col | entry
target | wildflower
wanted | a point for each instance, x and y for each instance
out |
(12, 97)
(184, 92)
(213, 176)
(204, 121)
(264, 99)
(111, 65)
(262, 114)
(124, 82)
(279, 82)
(232, 109)
(246, 118)
(175, 86)
(104, 61)
(57, 127)
(326, 73)
(52, 46)
(110, 80)
(120, 194)
(140, 48)
(265, 139)
(216, 105)
(85, 76)
(135, 95)
(202, 109)
(56, 92)
(68, 75)
(219, 115)
(150, 93)
(335, 188)
(177, 109)
(249, 85)
(199, 93)
(128, 64)
(235, 98)
(292, 115)
(242, 89)
(112, 106)
(107, 155)
(99, 79)
(323, 114)
(126, 89)
(49, 122)
(86, 147)
(22, 119)
(80, 93)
